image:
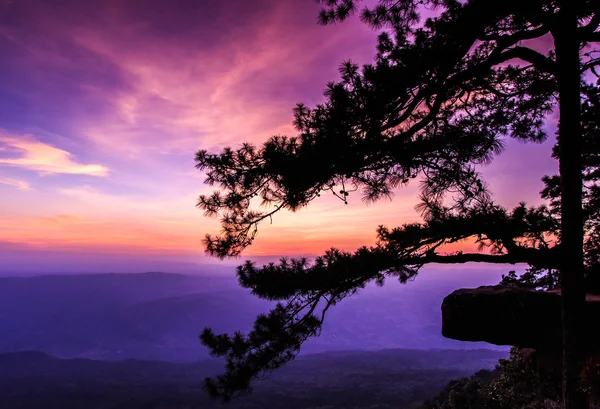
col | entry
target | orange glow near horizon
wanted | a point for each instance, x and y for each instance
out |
(97, 139)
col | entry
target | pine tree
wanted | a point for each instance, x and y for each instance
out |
(439, 101)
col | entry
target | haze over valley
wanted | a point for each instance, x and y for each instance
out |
(158, 316)
(130, 341)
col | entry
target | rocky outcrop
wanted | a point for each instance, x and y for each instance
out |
(510, 316)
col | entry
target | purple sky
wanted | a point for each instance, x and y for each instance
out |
(104, 103)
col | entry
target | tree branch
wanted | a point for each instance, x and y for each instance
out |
(504, 40)
(538, 258)
(589, 29)
(593, 37)
(590, 64)
(538, 60)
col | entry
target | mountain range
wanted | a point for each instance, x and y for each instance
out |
(399, 379)
(158, 316)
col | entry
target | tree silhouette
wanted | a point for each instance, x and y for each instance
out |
(439, 101)
(512, 384)
(550, 279)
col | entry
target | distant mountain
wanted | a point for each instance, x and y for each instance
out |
(77, 315)
(158, 316)
(350, 379)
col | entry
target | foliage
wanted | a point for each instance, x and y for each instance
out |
(442, 96)
(512, 385)
(536, 277)
(354, 380)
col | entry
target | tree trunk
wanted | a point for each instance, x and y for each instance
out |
(570, 148)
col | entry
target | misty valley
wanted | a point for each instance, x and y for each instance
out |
(158, 316)
(354, 379)
(131, 341)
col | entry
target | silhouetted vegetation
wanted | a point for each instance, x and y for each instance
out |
(352, 379)
(514, 383)
(437, 104)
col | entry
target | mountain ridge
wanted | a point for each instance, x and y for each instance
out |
(158, 316)
(344, 379)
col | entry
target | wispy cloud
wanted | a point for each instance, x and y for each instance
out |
(112, 234)
(131, 204)
(135, 91)
(19, 184)
(223, 79)
(43, 158)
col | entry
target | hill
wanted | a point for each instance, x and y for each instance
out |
(158, 316)
(350, 379)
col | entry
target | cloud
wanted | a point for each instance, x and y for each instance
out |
(140, 89)
(231, 73)
(19, 184)
(44, 158)
(132, 205)
(108, 233)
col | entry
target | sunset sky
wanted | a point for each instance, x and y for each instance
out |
(104, 103)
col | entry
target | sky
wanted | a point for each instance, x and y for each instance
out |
(103, 105)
